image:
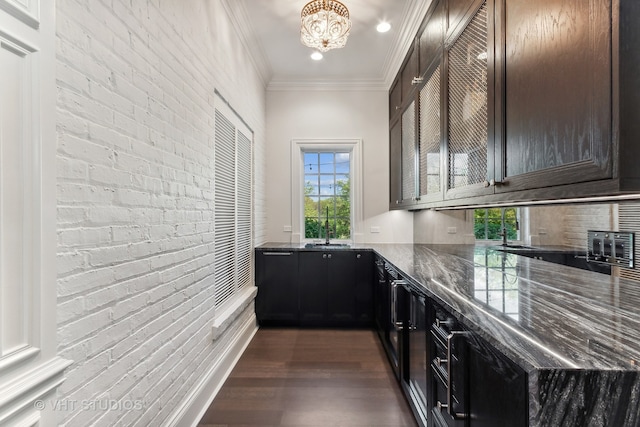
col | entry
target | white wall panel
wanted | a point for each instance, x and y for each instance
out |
(27, 11)
(30, 370)
(17, 174)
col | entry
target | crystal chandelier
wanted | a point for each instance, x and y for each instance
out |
(325, 24)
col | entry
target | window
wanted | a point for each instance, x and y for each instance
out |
(333, 181)
(327, 195)
(232, 204)
(488, 223)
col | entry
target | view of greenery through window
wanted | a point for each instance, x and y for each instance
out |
(327, 195)
(488, 223)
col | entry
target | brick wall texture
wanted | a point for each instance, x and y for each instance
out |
(135, 95)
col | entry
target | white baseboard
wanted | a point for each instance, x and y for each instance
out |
(195, 405)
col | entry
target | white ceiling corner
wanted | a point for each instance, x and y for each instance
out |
(270, 32)
(243, 25)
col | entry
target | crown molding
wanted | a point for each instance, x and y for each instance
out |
(237, 12)
(359, 85)
(414, 14)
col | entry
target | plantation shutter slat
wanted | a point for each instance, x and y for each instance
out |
(233, 191)
(243, 206)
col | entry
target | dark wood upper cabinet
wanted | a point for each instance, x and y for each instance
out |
(409, 74)
(626, 95)
(557, 89)
(457, 11)
(395, 165)
(539, 99)
(395, 99)
(430, 125)
(469, 108)
(431, 36)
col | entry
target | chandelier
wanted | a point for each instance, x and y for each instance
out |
(325, 25)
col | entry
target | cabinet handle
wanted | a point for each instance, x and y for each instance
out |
(359, 256)
(394, 298)
(329, 256)
(492, 183)
(440, 362)
(394, 291)
(397, 108)
(440, 323)
(324, 256)
(452, 336)
(276, 253)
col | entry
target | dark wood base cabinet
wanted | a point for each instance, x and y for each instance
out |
(472, 384)
(314, 288)
(451, 376)
(416, 353)
(336, 288)
(276, 277)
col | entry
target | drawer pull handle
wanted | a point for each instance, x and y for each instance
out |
(452, 336)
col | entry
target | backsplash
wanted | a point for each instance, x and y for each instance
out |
(567, 225)
(453, 227)
(563, 225)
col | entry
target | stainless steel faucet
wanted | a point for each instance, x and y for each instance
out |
(326, 228)
(504, 236)
(326, 232)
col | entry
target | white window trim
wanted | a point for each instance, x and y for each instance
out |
(298, 147)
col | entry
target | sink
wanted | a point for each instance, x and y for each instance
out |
(509, 247)
(327, 245)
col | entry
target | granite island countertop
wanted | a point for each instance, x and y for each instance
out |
(540, 314)
(576, 332)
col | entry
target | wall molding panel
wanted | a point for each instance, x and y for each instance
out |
(30, 370)
(26, 11)
(32, 391)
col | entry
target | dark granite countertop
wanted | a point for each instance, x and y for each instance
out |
(541, 315)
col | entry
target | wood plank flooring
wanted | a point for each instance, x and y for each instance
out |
(311, 377)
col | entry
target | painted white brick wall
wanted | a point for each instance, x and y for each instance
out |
(136, 84)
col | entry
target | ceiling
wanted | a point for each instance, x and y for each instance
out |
(271, 31)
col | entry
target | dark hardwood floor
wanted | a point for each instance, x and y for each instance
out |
(311, 377)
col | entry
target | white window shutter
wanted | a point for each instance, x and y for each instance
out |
(233, 188)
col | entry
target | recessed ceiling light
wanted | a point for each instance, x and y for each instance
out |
(316, 56)
(383, 27)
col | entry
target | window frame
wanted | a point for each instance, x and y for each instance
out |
(298, 148)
